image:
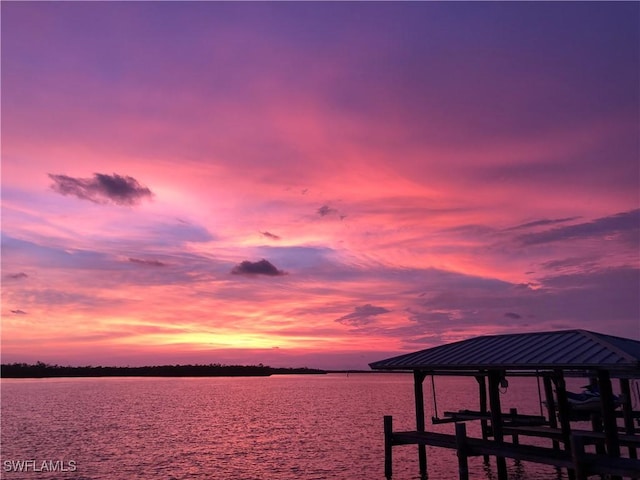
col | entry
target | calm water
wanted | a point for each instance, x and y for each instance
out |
(279, 427)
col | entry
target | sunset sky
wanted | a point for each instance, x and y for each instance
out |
(314, 184)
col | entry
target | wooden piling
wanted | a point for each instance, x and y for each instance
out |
(577, 454)
(596, 419)
(482, 394)
(563, 413)
(514, 436)
(496, 419)
(627, 413)
(461, 447)
(551, 407)
(418, 379)
(609, 416)
(388, 446)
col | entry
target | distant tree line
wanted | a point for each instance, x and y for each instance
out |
(44, 370)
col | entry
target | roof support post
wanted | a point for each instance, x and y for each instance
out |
(551, 406)
(577, 452)
(596, 418)
(627, 409)
(482, 393)
(418, 379)
(563, 413)
(608, 414)
(496, 418)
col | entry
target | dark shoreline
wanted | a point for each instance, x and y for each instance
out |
(43, 370)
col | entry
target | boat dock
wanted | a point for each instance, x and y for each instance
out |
(608, 448)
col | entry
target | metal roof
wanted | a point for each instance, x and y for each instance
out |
(565, 349)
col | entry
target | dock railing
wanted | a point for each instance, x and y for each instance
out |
(577, 459)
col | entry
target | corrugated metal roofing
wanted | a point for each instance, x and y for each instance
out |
(567, 349)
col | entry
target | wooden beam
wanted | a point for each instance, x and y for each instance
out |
(477, 446)
(612, 467)
(590, 463)
(418, 379)
(590, 437)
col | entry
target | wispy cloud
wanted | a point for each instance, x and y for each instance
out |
(362, 315)
(17, 276)
(571, 262)
(270, 235)
(581, 298)
(325, 210)
(542, 223)
(102, 188)
(625, 223)
(18, 312)
(261, 267)
(148, 263)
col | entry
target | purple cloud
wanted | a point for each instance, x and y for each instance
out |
(626, 224)
(262, 267)
(362, 315)
(148, 263)
(586, 299)
(544, 222)
(17, 276)
(270, 235)
(325, 210)
(102, 188)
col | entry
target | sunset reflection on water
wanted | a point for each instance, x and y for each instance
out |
(279, 427)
